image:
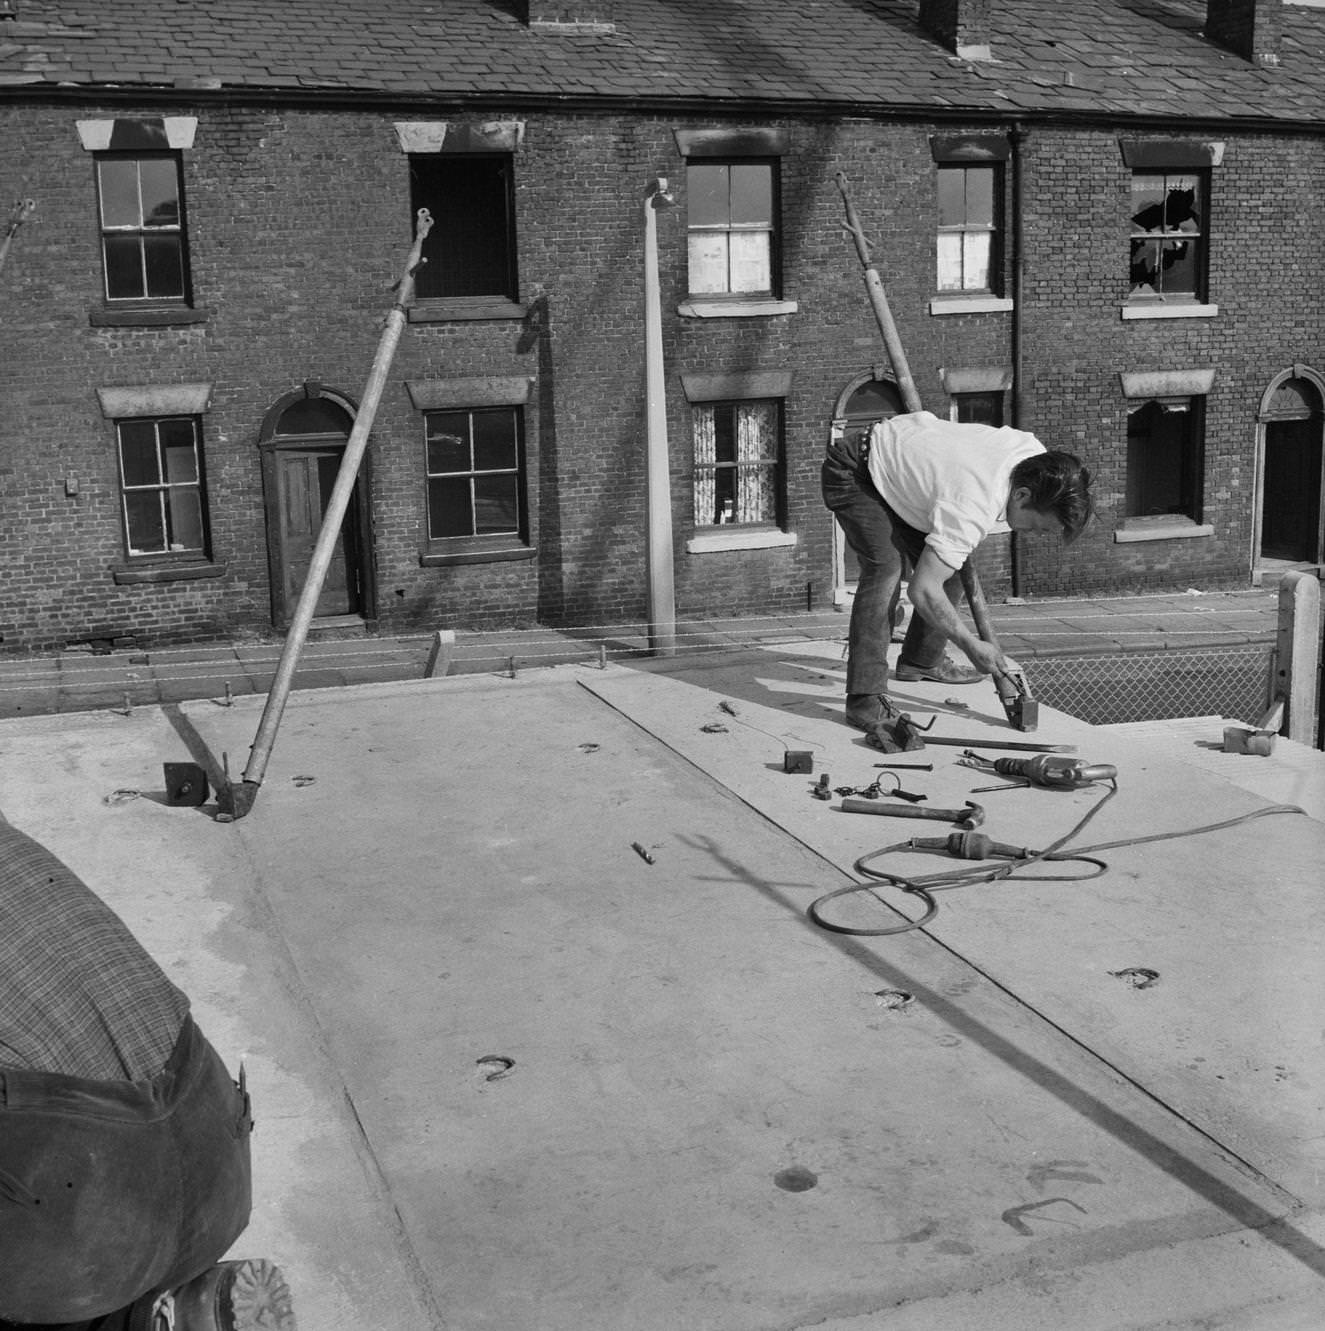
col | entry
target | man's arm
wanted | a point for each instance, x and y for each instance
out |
(932, 605)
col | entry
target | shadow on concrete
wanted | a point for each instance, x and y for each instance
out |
(1243, 1210)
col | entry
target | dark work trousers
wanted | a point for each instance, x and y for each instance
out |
(112, 1190)
(886, 548)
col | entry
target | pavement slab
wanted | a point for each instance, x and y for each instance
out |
(89, 787)
(716, 1114)
(1231, 920)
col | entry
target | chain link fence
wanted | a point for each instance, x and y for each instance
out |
(1232, 682)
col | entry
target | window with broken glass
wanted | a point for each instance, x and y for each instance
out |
(475, 473)
(1167, 220)
(731, 211)
(141, 200)
(738, 463)
(1165, 447)
(161, 486)
(470, 251)
(968, 227)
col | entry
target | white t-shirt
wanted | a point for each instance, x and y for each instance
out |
(946, 478)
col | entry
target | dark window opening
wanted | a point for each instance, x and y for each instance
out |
(314, 415)
(1165, 459)
(979, 408)
(470, 250)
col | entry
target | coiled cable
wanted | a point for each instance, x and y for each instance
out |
(925, 887)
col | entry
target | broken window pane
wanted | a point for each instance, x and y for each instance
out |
(1166, 249)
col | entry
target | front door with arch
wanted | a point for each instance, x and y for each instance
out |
(303, 442)
(866, 399)
(1292, 525)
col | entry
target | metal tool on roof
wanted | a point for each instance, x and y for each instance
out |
(1025, 746)
(899, 734)
(1258, 739)
(237, 800)
(1022, 711)
(969, 817)
(1050, 770)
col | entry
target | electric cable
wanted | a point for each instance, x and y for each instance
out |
(924, 887)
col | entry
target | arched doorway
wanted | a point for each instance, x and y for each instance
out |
(303, 440)
(1291, 529)
(869, 397)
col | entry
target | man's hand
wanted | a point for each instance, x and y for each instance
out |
(986, 657)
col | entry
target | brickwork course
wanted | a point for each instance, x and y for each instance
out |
(286, 119)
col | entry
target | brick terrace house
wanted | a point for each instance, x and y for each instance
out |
(1094, 219)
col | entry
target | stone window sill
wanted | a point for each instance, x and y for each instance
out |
(736, 307)
(128, 574)
(1160, 529)
(444, 554)
(971, 305)
(1169, 310)
(756, 538)
(145, 316)
(458, 309)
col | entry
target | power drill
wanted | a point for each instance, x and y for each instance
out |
(1055, 771)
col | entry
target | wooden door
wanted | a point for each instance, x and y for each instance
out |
(305, 478)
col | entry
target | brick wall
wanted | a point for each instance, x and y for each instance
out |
(298, 221)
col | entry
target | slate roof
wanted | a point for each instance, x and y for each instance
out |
(1116, 58)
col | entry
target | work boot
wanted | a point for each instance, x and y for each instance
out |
(946, 671)
(249, 1295)
(865, 711)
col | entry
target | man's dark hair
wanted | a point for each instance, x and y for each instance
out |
(1060, 485)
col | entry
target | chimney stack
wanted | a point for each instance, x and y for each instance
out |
(568, 16)
(961, 25)
(1249, 28)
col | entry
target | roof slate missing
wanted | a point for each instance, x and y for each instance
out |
(1122, 58)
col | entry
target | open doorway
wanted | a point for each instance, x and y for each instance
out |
(1290, 529)
(303, 442)
(866, 399)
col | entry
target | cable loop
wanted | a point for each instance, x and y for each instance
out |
(926, 886)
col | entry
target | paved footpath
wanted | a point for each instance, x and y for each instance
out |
(78, 681)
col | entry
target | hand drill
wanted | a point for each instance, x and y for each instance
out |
(1055, 771)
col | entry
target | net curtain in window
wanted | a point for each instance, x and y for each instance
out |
(756, 450)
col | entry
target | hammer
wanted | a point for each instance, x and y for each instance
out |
(968, 818)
